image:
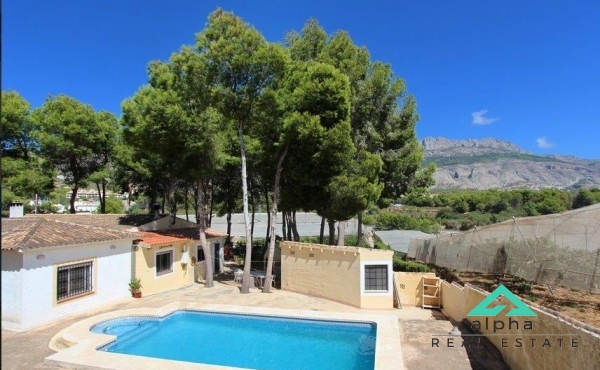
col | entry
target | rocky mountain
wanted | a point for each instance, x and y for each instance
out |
(495, 164)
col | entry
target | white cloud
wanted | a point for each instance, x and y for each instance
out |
(543, 143)
(480, 119)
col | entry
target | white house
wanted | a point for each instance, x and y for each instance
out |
(53, 269)
(57, 265)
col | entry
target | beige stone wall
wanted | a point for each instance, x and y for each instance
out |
(332, 272)
(458, 301)
(145, 268)
(410, 287)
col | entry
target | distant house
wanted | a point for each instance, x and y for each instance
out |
(53, 269)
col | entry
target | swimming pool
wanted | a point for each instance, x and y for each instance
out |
(245, 341)
(77, 347)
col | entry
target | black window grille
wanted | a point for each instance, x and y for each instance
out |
(201, 254)
(73, 280)
(164, 262)
(376, 277)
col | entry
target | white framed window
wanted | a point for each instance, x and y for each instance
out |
(163, 262)
(74, 280)
(376, 277)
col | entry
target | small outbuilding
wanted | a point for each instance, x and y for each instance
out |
(360, 277)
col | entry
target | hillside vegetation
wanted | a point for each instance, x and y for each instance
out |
(465, 209)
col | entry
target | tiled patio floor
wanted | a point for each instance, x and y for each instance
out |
(28, 350)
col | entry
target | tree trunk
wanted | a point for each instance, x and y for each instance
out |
(253, 214)
(322, 232)
(187, 205)
(208, 260)
(72, 200)
(295, 227)
(102, 209)
(103, 202)
(212, 204)
(341, 233)
(129, 195)
(359, 233)
(331, 231)
(229, 226)
(268, 213)
(288, 215)
(283, 226)
(247, 279)
(273, 224)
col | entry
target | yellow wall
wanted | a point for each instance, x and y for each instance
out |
(458, 301)
(331, 272)
(200, 267)
(410, 287)
(145, 260)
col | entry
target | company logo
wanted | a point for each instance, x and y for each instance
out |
(482, 308)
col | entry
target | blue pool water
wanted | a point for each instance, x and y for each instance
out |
(247, 341)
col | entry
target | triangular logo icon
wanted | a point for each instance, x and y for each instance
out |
(482, 309)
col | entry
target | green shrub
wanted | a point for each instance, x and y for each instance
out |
(379, 244)
(409, 266)
(399, 221)
(369, 219)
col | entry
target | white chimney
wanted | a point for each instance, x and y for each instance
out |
(15, 209)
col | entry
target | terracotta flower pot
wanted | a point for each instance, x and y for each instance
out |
(137, 294)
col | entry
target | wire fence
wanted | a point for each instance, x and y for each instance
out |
(562, 249)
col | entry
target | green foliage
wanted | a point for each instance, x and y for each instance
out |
(409, 266)
(586, 197)
(349, 241)
(114, 205)
(369, 219)
(135, 285)
(379, 244)
(465, 209)
(398, 221)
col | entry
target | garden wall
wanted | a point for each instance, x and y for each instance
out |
(540, 346)
(335, 273)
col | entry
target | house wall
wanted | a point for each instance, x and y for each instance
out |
(200, 267)
(111, 274)
(458, 301)
(378, 300)
(145, 268)
(410, 287)
(12, 263)
(332, 272)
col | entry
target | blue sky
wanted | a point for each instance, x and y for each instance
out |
(523, 71)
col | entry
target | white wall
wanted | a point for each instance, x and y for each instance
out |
(112, 273)
(11, 289)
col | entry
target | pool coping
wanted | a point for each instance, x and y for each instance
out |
(82, 353)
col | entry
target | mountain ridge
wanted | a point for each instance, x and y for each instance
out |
(491, 163)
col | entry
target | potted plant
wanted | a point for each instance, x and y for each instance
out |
(135, 287)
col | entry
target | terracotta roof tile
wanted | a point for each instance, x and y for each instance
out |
(33, 232)
(156, 238)
(110, 221)
(175, 235)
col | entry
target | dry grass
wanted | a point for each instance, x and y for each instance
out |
(580, 305)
